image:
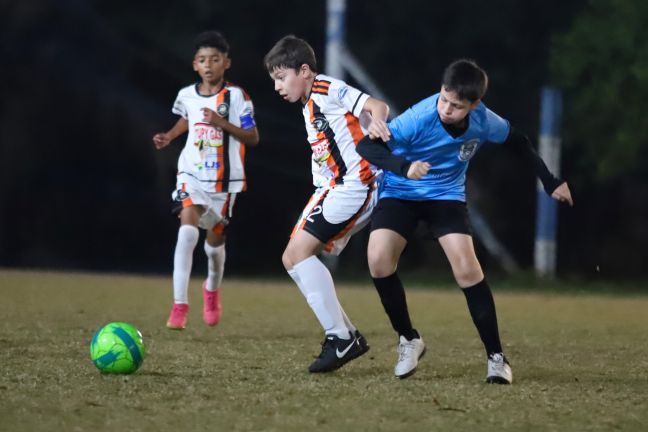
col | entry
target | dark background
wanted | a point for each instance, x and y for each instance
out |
(86, 84)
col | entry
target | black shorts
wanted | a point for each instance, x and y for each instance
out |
(441, 216)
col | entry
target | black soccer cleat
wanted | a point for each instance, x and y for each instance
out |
(364, 346)
(336, 353)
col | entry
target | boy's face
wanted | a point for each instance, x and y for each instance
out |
(291, 84)
(211, 64)
(453, 110)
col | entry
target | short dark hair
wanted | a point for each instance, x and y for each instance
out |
(466, 79)
(290, 52)
(211, 39)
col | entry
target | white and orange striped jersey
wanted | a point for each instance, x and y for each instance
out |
(333, 127)
(211, 157)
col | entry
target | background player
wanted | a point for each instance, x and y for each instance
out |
(345, 187)
(219, 117)
(427, 157)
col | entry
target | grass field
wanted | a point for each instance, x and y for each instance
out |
(580, 362)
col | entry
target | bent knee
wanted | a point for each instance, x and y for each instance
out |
(293, 256)
(468, 275)
(380, 264)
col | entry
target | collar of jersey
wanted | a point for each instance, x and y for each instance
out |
(197, 85)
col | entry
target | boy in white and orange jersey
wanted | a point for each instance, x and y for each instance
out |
(219, 119)
(345, 187)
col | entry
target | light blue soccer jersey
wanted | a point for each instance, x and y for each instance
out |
(418, 134)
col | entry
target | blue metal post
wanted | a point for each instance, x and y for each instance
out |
(335, 34)
(547, 208)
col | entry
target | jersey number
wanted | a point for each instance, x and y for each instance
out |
(316, 210)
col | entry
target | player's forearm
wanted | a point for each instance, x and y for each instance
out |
(247, 136)
(523, 145)
(377, 152)
(178, 129)
(378, 109)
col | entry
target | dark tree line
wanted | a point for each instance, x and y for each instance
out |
(86, 84)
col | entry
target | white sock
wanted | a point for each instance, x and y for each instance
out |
(293, 274)
(182, 261)
(216, 265)
(347, 321)
(315, 282)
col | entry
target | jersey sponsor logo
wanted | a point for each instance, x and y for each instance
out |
(320, 151)
(440, 174)
(468, 149)
(207, 136)
(223, 110)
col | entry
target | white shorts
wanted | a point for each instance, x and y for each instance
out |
(333, 215)
(218, 206)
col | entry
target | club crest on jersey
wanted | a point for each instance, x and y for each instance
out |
(468, 149)
(181, 195)
(223, 110)
(320, 124)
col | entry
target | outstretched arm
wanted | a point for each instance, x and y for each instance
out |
(163, 139)
(557, 188)
(247, 136)
(377, 152)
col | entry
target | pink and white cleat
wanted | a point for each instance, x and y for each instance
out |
(178, 318)
(211, 306)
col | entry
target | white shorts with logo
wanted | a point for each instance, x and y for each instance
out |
(218, 206)
(333, 215)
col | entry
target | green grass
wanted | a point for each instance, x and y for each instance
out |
(580, 361)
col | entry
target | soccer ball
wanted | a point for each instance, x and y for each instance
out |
(117, 348)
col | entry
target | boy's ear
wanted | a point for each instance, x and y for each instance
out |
(228, 62)
(304, 69)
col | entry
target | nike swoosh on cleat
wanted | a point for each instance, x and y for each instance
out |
(346, 350)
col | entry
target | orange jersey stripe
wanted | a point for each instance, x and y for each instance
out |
(187, 201)
(219, 228)
(353, 124)
(242, 155)
(220, 151)
(320, 87)
(225, 211)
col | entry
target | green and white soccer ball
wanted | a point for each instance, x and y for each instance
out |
(117, 348)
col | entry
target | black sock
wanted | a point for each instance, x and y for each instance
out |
(392, 295)
(482, 310)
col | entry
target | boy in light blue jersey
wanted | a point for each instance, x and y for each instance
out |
(419, 134)
(425, 161)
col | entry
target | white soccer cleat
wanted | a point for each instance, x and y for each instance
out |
(409, 353)
(499, 370)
